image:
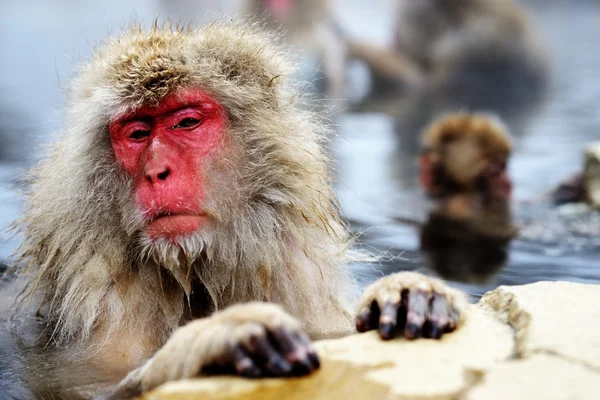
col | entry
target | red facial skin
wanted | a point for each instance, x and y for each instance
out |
(499, 182)
(500, 187)
(163, 148)
(280, 9)
(426, 174)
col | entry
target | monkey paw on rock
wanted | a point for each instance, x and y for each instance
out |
(252, 340)
(410, 303)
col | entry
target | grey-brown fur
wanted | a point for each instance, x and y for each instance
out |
(277, 236)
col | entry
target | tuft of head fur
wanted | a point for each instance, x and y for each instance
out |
(463, 144)
(275, 232)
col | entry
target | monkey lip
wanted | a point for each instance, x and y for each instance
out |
(171, 226)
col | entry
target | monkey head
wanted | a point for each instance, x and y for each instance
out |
(464, 153)
(188, 151)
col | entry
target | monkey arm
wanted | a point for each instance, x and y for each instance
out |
(252, 339)
(497, 34)
(387, 64)
(335, 51)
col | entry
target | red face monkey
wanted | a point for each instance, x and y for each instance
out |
(163, 149)
(185, 223)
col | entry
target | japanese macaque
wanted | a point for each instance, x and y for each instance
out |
(184, 224)
(475, 51)
(463, 169)
(310, 25)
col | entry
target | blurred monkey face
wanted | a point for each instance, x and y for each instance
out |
(281, 10)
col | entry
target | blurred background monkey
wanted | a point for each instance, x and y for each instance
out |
(311, 26)
(476, 53)
(463, 169)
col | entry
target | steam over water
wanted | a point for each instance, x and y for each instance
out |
(42, 41)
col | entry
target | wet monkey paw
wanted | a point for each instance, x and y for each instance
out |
(252, 340)
(410, 304)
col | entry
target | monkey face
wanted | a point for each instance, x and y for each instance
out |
(279, 9)
(163, 149)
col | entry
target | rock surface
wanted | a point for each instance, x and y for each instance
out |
(527, 342)
(551, 318)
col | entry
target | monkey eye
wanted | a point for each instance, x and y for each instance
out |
(139, 134)
(187, 123)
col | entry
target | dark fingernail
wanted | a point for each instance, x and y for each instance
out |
(435, 332)
(279, 366)
(302, 367)
(412, 331)
(387, 331)
(314, 359)
(251, 371)
(362, 322)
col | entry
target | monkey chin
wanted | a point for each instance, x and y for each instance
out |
(172, 227)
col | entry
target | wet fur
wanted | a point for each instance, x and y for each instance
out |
(276, 233)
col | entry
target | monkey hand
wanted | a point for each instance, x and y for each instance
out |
(252, 340)
(410, 303)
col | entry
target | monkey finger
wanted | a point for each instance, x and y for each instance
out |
(310, 350)
(368, 318)
(453, 320)
(363, 321)
(388, 321)
(418, 302)
(438, 316)
(265, 355)
(304, 359)
(244, 365)
(295, 347)
(283, 339)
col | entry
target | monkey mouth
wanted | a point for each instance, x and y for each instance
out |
(173, 225)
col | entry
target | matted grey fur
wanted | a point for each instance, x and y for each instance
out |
(275, 233)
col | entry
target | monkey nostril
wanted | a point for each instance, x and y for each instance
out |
(157, 176)
(163, 175)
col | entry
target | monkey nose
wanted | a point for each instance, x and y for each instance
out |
(157, 174)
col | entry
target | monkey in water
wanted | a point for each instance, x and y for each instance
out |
(184, 224)
(463, 169)
(311, 26)
(473, 52)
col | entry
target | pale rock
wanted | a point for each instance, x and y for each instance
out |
(553, 317)
(525, 342)
(539, 377)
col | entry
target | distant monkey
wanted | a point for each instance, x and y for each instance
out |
(455, 47)
(310, 25)
(184, 224)
(570, 190)
(463, 169)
